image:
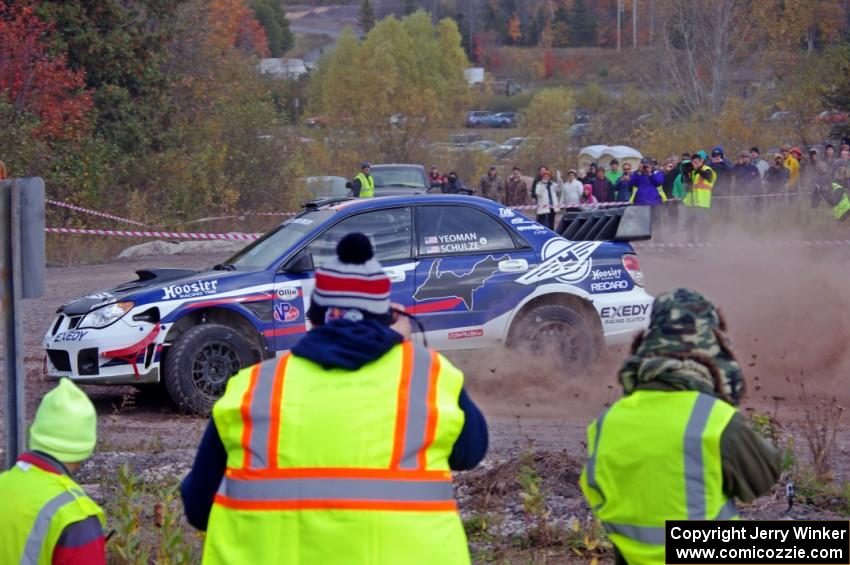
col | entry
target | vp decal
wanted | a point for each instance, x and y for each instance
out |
(286, 313)
(566, 261)
(446, 284)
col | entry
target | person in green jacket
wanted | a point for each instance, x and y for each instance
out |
(836, 195)
(675, 447)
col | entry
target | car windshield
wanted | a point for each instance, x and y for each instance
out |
(408, 177)
(264, 252)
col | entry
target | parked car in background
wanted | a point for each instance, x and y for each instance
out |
(509, 146)
(400, 179)
(832, 117)
(506, 119)
(781, 117)
(501, 120)
(324, 187)
(460, 139)
(484, 145)
(475, 118)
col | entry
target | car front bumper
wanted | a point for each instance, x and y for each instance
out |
(118, 354)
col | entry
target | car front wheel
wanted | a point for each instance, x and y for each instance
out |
(199, 364)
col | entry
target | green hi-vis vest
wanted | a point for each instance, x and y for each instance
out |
(655, 456)
(37, 507)
(700, 193)
(843, 207)
(367, 185)
(336, 466)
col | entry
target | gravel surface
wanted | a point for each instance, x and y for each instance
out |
(784, 307)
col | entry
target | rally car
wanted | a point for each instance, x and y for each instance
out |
(474, 274)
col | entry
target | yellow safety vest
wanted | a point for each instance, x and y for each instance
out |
(336, 466)
(37, 507)
(655, 456)
(843, 207)
(700, 194)
(367, 185)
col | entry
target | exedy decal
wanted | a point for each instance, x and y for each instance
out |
(568, 262)
(447, 284)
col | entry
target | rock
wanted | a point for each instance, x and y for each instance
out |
(95, 492)
(177, 247)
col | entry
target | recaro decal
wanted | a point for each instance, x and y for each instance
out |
(567, 262)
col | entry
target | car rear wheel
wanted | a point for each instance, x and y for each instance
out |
(199, 364)
(558, 332)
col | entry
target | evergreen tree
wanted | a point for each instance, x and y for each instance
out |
(561, 27)
(582, 24)
(409, 7)
(271, 16)
(366, 17)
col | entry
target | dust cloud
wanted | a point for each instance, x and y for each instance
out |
(787, 307)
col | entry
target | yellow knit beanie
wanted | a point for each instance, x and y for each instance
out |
(65, 424)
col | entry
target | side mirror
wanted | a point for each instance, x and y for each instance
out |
(302, 263)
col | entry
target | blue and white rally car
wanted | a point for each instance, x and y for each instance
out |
(475, 274)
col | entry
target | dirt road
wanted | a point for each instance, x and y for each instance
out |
(786, 308)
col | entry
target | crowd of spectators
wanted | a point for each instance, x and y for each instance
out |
(749, 183)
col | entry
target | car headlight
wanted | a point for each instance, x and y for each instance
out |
(105, 315)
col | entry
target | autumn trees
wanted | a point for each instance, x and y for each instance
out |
(37, 85)
(405, 68)
(147, 108)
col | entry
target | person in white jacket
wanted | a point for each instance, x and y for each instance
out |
(548, 194)
(571, 191)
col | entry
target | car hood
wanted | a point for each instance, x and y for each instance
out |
(180, 281)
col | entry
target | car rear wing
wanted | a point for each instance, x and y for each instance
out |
(619, 223)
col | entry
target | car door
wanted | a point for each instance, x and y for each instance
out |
(468, 263)
(391, 233)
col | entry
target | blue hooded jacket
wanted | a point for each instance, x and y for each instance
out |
(647, 186)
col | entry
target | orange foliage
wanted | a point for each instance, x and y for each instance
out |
(549, 63)
(232, 25)
(33, 81)
(569, 68)
(514, 29)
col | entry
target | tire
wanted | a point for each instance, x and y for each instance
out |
(557, 331)
(199, 364)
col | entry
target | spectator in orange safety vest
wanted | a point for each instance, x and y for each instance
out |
(341, 449)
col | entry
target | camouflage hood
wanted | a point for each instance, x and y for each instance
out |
(685, 347)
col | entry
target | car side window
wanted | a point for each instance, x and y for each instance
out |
(390, 231)
(446, 230)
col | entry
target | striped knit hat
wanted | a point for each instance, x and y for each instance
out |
(354, 280)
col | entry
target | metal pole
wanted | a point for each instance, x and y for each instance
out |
(634, 23)
(10, 274)
(619, 21)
